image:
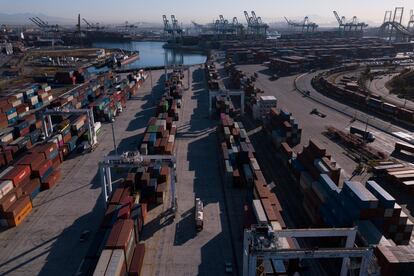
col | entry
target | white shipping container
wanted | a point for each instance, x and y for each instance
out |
(20, 95)
(259, 211)
(253, 163)
(103, 262)
(43, 96)
(115, 263)
(16, 103)
(7, 138)
(5, 187)
(55, 140)
(33, 100)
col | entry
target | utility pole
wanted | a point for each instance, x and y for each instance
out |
(152, 86)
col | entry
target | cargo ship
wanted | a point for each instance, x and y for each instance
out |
(127, 59)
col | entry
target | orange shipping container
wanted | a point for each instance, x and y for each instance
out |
(18, 211)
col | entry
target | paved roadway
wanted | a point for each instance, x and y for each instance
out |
(47, 242)
(378, 87)
(313, 125)
(172, 246)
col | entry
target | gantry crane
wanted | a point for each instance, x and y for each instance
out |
(44, 26)
(224, 27)
(392, 27)
(255, 26)
(173, 29)
(354, 25)
(91, 26)
(263, 243)
(410, 25)
(305, 25)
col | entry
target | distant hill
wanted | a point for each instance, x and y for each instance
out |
(23, 18)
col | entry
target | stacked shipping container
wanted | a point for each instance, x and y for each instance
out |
(282, 127)
(36, 165)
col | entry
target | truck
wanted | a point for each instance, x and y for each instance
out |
(199, 215)
(366, 135)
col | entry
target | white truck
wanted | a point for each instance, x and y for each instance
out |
(199, 214)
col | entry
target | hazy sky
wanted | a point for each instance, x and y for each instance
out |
(203, 11)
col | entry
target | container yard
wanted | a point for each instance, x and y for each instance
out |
(257, 148)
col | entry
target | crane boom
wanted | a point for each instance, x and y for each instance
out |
(43, 22)
(38, 22)
(338, 18)
(35, 22)
(87, 23)
(254, 17)
(247, 17)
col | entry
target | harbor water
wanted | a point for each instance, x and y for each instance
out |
(152, 54)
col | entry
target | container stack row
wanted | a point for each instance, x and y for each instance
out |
(212, 76)
(242, 170)
(126, 213)
(395, 260)
(159, 137)
(342, 204)
(238, 153)
(120, 252)
(26, 130)
(17, 102)
(402, 177)
(282, 127)
(317, 161)
(35, 164)
(21, 183)
(116, 249)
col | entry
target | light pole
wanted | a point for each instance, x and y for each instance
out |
(113, 138)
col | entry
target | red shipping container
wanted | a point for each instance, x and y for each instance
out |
(126, 240)
(40, 169)
(18, 175)
(24, 131)
(47, 148)
(61, 156)
(51, 180)
(110, 217)
(8, 201)
(31, 186)
(116, 196)
(144, 206)
(114, 235)
(124, 212)
(67, 137)
(12, 149)
(31, 159)
(137, 260)
(56, 162)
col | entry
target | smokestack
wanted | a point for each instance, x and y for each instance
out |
(79, 24)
